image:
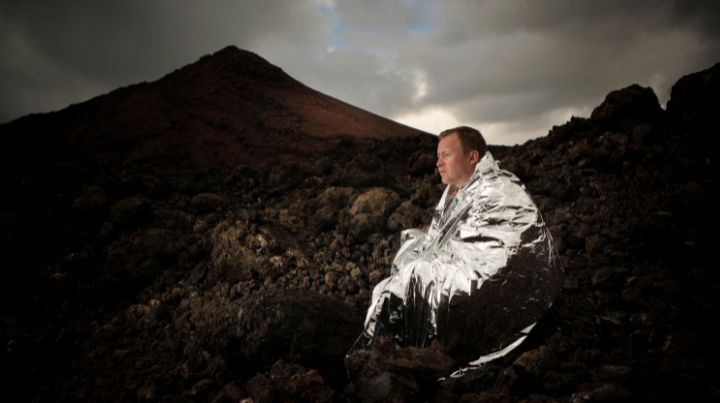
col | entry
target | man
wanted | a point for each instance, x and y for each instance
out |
(484, 272)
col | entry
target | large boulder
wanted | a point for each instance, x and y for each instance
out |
(626, 107)
(232, 260)
(695, 102)
(386, 373)
(376, 201)
(328, 205)
(207, 202)
(297, 326)
(289, 382)
(406, 216)
(697, 96)
(370, 210)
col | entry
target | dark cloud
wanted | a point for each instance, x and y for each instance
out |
(61, 52)
(108, 40)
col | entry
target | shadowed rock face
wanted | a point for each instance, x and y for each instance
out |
(132, 270)
(627, 107)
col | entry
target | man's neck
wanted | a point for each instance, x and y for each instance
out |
(452, 190)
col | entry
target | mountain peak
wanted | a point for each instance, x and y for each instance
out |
(227, 108)
(241, 62)
(233, 53)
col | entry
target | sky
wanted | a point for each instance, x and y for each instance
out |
(511, 68)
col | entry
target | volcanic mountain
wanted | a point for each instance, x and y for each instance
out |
(227, 108)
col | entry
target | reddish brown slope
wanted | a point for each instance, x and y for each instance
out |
(227, 108)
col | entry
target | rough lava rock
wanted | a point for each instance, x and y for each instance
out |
(627, 106)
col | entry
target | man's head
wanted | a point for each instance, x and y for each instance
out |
(459, 150)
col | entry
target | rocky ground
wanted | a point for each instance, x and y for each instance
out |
(252, 282)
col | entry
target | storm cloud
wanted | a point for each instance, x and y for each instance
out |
(512, 68)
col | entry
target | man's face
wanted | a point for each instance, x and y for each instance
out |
(455, 166)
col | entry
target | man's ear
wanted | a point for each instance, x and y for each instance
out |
(474, 156)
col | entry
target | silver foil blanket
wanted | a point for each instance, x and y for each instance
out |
(478, 280)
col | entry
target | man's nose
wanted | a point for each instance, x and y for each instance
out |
(438, 163)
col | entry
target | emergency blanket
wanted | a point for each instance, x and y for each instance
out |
(477, 281)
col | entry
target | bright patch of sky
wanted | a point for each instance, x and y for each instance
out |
(338, 26)
(432, 119)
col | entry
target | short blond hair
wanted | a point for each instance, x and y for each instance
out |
(470, 138)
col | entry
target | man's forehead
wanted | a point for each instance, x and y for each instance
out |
(449, 141)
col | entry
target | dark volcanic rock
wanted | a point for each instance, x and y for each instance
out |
(297, 326)
(695, 101)
(386, 373)
(370, 211)
(207, 202)
(289, 382)
(695, 98)
(626, 107)
(232, 259)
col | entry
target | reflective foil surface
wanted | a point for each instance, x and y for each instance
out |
(478, 280)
